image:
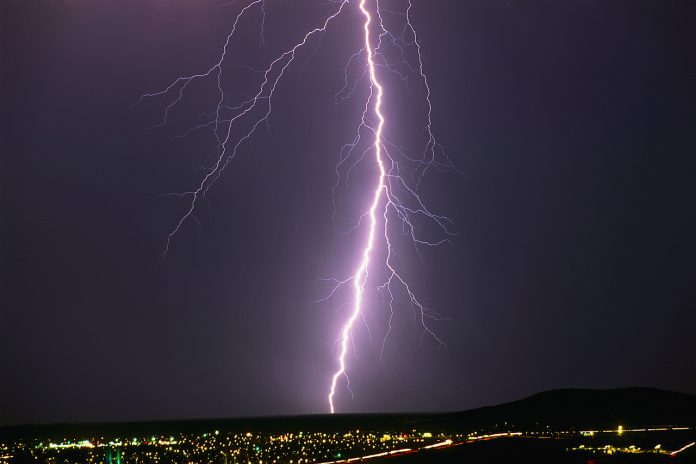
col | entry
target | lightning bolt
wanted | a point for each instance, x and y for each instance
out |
(360, 277)
(385, 191)
(393, 197)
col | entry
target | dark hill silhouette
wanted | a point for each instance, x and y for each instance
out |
(570, 408)
(629, 407)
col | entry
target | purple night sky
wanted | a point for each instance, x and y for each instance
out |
(573, 125)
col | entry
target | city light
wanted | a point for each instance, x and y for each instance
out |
(347, 446)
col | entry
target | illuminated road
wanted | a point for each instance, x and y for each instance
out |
(440, 445)
(397, 452)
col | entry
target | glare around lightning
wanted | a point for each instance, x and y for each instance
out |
(392, 196)
(384, 191)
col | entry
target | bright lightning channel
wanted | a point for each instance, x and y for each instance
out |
(360, 277)
(392, 194)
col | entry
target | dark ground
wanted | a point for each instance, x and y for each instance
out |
(526, 451)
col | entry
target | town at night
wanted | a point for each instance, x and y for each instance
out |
(540, 434)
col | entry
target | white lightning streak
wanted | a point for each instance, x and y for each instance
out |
(265, 93)
(360, 277)
(392, 196)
